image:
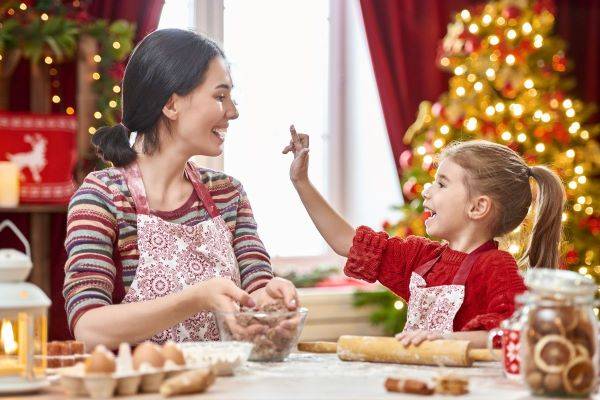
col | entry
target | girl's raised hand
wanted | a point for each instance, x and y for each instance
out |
(299, 147)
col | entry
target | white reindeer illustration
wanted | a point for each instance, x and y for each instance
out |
(35, 159)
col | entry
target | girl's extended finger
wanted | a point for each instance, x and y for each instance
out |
(295, 137)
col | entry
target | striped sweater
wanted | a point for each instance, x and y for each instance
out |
(101, 240)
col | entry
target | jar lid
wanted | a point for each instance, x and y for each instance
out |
(553, 281)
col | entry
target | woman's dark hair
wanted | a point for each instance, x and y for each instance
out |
(166, 61)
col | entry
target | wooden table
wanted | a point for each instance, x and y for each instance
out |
(312, 376)
(39, 238)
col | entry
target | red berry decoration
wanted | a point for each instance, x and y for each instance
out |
(409, 189)
(406, 159)
(509, 90)
(511, 12)
(572, 257)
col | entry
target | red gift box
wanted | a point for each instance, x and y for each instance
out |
(44, 147)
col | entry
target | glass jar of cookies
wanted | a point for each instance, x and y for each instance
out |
(559, 348)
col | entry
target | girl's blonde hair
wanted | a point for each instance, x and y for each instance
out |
(499, 172)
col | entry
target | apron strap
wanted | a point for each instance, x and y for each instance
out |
(465, 267)
(133, 178)
(201, 190)
(424, 269)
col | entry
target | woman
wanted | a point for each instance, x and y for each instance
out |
(156, 243)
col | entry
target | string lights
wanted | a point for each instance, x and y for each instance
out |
(506, 86)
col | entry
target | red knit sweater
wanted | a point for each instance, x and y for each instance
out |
(489, 291)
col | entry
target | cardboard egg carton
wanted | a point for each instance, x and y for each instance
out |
(78, 383)
(123, 376)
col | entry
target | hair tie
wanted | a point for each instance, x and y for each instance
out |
(529, 172)
(132, 135)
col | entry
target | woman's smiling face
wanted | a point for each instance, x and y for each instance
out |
(204, 114)
(447, 201)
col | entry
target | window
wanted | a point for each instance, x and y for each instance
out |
(177, 14)
(279, 69)
(290, 67)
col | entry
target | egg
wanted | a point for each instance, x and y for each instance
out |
(148, 353)
(101, 361)
(173, 353)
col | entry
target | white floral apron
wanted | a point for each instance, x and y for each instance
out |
(173, 256)
(434, 308)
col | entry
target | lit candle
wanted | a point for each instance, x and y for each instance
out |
(9, 184)
(8, 338)
(9, 363)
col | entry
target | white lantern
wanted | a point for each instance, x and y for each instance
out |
(24, 322)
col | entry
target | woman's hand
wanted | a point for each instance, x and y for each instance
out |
(299, 146)
(277, 288)
(218, 294)
(417, 337)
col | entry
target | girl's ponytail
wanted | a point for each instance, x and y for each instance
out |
(112, 145)
(543, 248)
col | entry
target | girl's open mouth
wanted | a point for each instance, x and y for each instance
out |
(430, 214)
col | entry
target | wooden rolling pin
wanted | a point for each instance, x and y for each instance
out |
(449, 353)
(331, 347)
(318, 347)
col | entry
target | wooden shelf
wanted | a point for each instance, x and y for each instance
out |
(35, 208)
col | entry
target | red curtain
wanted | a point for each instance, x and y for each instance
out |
(578, 22)
(403, 37)
(145, 14)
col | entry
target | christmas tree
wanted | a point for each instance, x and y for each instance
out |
(508, 84)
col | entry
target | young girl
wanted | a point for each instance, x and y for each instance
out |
(156, 243)
(464, 287)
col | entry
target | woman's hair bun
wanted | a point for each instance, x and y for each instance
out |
(112, 145)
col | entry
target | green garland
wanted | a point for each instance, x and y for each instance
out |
(51, 28)
(390, 310)
(310, 279)
(106, 34)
